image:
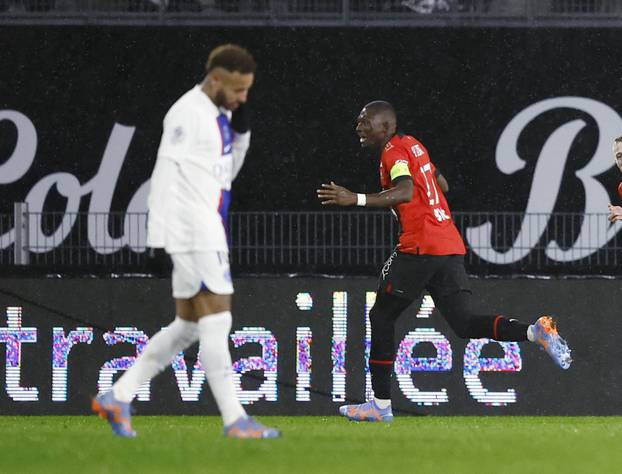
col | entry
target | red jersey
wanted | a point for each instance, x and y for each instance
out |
(426, 225)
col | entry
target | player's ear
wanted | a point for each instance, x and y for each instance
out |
(216, 77)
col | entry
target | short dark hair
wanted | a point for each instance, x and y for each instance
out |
(233, 58)
(381, 106)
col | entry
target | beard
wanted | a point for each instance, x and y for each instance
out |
(221, 99)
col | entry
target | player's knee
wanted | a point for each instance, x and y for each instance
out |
(386, 310)
(205, 303)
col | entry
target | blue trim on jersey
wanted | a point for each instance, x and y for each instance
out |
(226, 134)
(223, 210)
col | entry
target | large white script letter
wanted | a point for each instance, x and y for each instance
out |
(595, 232)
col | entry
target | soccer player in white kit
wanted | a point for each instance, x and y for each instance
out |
(205, 138)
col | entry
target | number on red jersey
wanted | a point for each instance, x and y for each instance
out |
(433, 199)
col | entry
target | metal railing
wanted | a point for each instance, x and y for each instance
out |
(341, 242)
(313, 12)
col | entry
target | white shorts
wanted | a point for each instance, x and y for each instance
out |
(196, 271)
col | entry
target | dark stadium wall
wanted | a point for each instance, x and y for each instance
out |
(81, 112)
(511, 129)
(300, 346)
(455, 89)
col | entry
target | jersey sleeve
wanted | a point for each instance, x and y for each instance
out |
(396, 162)
(179, 132)
(241, 142)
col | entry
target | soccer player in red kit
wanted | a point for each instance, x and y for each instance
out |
(430, 256)
(615, 212)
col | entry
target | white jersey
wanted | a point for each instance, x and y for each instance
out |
(198, 158)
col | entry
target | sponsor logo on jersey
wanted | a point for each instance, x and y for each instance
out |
(417, 151)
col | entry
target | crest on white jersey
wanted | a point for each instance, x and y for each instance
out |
(178, 135)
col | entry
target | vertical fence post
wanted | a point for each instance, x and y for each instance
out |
(531, 11)
(345, 5)
(162, 6)
(21, 255)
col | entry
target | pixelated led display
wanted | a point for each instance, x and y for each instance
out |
(426, 308)
(304, 336)
(370, 299)
(338, 352)
(405, 364)
(13, 336)
(61, 345)
(127, 335)
(474, 364)
(267, 363)
(191, 380)
(304, 301)
(189, 388)
(303, 364)
(404, 378)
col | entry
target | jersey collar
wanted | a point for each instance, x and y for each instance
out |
(391, 142)
(206, 101)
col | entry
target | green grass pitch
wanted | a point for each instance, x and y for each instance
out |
(316, 445)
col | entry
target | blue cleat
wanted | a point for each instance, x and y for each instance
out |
(545, 333)
(368, 411)
(247, 427)
(117, 413)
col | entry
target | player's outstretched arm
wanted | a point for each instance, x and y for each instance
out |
(335, 194)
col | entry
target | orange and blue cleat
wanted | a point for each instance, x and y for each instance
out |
(115, 412)
(368, 411)
(247, 427)
(544, 332)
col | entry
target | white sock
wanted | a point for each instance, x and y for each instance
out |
(216, 361)
(381, 403)
(159, 353)
(530, 335)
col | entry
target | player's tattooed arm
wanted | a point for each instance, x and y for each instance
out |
(335, 194)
